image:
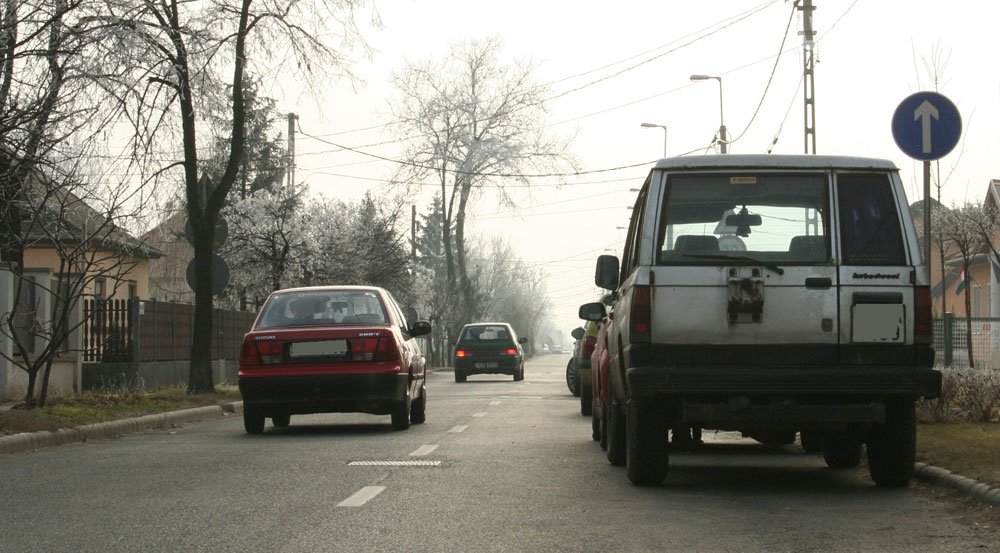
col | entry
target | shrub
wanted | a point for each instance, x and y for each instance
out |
(970, 395)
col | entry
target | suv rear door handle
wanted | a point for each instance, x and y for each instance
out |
(822, 283)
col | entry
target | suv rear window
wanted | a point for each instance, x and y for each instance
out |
(724, 218)
(869, 223)
(488, 333)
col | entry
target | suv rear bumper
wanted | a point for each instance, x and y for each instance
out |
(817, 382)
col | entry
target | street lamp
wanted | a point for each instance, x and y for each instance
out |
(722, 120)
(655, 126)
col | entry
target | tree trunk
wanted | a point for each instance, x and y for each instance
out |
(968, 316)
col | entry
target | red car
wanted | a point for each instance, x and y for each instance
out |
(332, 349)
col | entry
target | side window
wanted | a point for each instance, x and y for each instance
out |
(630, 258)
(869, 223)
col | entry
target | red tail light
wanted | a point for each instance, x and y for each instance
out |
(587, 349)
(462, 353)
(248, 354)
(378, 348)
(923, 327)
(508, 351)
(261, 352)
(640, 315)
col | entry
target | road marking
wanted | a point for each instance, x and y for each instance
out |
(394, 463)
(424, 450)
(494, 403)
(459, 428)
(479, 414)
(362, 496)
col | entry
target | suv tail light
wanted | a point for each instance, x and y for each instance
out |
(378, 348)
(923, 327)
(640, 316)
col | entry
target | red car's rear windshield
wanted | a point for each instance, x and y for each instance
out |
(323, 308)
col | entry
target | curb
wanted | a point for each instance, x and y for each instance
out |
(966, 486)
(30, 441)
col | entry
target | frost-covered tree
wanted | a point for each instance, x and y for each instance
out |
(960, 226)
(479, 125)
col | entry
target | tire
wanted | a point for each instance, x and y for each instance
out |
(281, 421)
(892, 446)
(841, 451)
(401, 414)
(572, 379)
(647, 454)
(253, 420)
(586, 400)
(604, 426)
(519, 374)
(811, 442)
(418, 409)
(616, 436)
(459, 377)
(595, 426)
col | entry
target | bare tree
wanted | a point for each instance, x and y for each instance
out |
(960, 227)
(478, 125)
(188, 49)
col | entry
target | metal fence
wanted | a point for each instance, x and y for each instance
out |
(951, 342)
(148, 330)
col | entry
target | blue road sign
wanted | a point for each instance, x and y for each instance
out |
(926, 126)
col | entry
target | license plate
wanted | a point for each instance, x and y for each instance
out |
(879, 322)
(487, 365)
(322, 348)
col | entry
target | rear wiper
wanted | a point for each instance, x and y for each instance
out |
(767, 264)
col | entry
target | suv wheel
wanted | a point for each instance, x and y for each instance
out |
(841, 451)
(647, 455)
(253, 420)
(586, 400)
(616, 435)
(418, 409)
(892, 446)
(519, 374)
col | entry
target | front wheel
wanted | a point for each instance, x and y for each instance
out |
(647, 453)
(892, 446)
(253, 420)
(572, 379)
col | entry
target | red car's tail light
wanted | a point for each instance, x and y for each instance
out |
(640, 315)
(261, 352)
(587, 349)
(248, 354)
(379, 348)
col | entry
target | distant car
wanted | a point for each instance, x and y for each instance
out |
(489, 348)
(332, 349)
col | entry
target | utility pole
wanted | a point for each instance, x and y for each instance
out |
(291, 147)
(808, 85)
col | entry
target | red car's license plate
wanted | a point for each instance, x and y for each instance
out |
(321, 348)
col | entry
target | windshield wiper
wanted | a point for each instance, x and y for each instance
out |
(767, 264)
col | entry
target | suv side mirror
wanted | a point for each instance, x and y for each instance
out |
(594, 311)
(606, 275)
(577, 332)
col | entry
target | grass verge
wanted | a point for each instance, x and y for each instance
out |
(91, 407)
(966, 448)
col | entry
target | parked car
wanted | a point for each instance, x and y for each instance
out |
(572, 372)
(488, 348)
(771, 295)
(332, 349)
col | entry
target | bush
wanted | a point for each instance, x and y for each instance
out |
(970, 395)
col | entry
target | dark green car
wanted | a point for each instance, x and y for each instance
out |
(488, 348)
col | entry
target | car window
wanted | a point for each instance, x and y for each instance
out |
(486, 333)
(869, 223)
(722, 218)
(323, 307)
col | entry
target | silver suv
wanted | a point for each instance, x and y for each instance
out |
(770, 295)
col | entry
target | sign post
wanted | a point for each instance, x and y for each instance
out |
(926, 126)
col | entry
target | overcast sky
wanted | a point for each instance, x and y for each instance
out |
(871, 54)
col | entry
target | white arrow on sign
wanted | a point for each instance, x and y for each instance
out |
(926, 111)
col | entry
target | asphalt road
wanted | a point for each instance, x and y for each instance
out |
(498, 466)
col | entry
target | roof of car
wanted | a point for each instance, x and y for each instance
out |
(330, 289)
(487, 323)
(744, 161)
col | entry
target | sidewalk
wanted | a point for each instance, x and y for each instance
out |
(30, 441)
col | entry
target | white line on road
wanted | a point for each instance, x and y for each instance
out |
(494, 403)
(459, 428)
(364, 495)
(424, 450)
(479, 414)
